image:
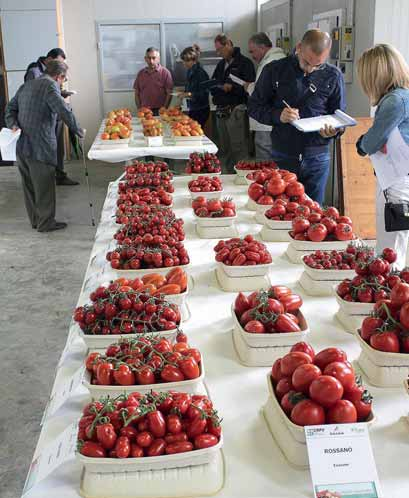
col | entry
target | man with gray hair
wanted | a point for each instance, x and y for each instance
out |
(34, 110)
(262, 52)
(302, 85)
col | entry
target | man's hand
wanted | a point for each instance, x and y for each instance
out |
(289, 114)
(328, 131)
(15, 129)
(227, 87)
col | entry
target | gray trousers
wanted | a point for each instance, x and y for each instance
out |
(59, 131)
(263, 145)
(233, 137)
(38, 180)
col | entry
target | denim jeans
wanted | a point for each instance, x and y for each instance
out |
(312, 171)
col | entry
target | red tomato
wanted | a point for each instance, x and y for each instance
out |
(289, 400)
(241, 304)
(294, 189)
(342, 371)
(343, 231)
(332, 212)
(157, 448)
(276, 186)
(124, 376)
(400, 294)
(122, 447)
(389, 254)
(144, 439)
(205, 441)
(283, 386)
(136, 451)
(190, 368)
(362, 401)
(196, 426)
(278, 291)
(156, 423)
(300, 225)
(385, 341)
(329, 223)
(303, 376)
(326, 390)
(171, 373)
(404, 315)
(276, 372)
(286, 323)
(254, 327)
(105, 374)
(291, 302)
(303, 347)
(91, 449)
(179, 447)
(306, 412)
(342, 412)
(106, 435)
(291, 361)
(369, 326)
(91, 361)
(145, 376)
(317, 232)
(328, 355)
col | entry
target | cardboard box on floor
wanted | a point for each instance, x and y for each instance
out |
(357, 182)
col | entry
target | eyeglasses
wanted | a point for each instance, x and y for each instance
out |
(305, 62)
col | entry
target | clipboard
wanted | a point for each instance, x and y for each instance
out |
(337, 120)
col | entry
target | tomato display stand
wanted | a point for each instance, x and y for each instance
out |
(193, 480)
(380, 368)
(241, 283)
(274, 235)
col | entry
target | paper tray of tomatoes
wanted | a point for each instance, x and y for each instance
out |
(276, 224)
(316, 287)
(269, 235)
(193, 386)
(308, 245)
(145, 271)
(195, 176)
(245, 271)
(334, 275)
(350, 323)
(353, 308)
(278, 339)
(217, 194)
(381, 376)
(220, 221)
(251, 205)
(383, 358)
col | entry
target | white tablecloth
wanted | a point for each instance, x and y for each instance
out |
(137, 147)
(255, 465)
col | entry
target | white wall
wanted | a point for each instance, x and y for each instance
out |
(79, 17)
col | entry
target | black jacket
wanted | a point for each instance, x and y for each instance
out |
(200, 95)
(285, 80)
(240, 66)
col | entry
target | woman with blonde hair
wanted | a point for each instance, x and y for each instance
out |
(384, 77)
(197, 95)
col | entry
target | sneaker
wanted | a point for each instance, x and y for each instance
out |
(59, 225)
(65, 180)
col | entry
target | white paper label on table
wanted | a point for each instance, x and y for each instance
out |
(52, 456)
(394, 164)
(60, 396)
(341, 461)
(8, 142)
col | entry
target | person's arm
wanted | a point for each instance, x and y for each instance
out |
(57, 105)
(260, 104)
(389, 115)
(246, 73)
(198, 91)
(11, 113)
(137, 97)
(168, 88)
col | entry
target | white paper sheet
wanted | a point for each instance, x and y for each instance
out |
(337, 120)
(237, 80)
(394, 164)
(8, 142)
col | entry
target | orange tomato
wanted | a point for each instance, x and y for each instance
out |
(168, 289)
(149, 288)
(180, 347)
(179, 277)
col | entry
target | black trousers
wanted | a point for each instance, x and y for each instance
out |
(200, 115)
(59, 132)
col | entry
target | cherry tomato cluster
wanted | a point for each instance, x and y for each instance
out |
(147, 180)
(255, 165)
(150, 425)
(322, 225)
(144, 196)
(214, 208)
(146, 167)
(125, 213)
(269, 311)
(374, 279)
(119, 309)
(140, 255)
(387, 329)
(203, 163)
(152, 228)
(316, 389)
(242, 252)
(270, 185)
(206, 184)
(144, 361)
(286, 210)
(339, 260)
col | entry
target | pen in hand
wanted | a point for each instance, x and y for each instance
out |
(288, 114)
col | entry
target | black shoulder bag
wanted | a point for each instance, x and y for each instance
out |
(396, 215)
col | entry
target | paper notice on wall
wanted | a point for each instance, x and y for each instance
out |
(52, 456)
(392, 163)
(8, 143)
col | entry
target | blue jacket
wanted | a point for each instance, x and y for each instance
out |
(285, 80)
(200, 95)
(392, 112)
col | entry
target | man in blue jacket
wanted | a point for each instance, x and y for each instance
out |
(302, 85)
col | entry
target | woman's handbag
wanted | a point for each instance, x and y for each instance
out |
(396, 216)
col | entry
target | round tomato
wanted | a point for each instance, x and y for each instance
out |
(343, 231)
(306, 412)
(303, 376)
(389, 254)
(369, 326)
(342, 371)
(403, 316)
(400, 294)
(283, 386)
(362, 400)
(328, 355)
(326, 390)
(171, 373)
(255, 191)
(317, 232)
(385, 341)
(303, 347)
(291, 361)
(300, 225)
(342, 412)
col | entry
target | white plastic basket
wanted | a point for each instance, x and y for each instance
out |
(243, 172)
(277, 225)
(237, 284)
(262, 208)
(245, 271)
(269, 235)
(217, 194)
(227, 221)
(316, 287)
(352, 308)
(331, 275)
(217, 232)
(193, 386)
(251, 205)
(381, 376)
(195, 176)
(146, 271)
(350, 323)
(256, 357)
(307, 245)
(283, 339)
(190, 458)
(381, 358)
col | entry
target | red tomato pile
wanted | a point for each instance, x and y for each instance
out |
(214, 208)
(125, 213)
(286, 210)
(203, 163)
(316, 389)
(339, 260)
(119, 309)
(373, 282)
(147, 180)
(270, 185)
(255, 165)
(275, 310)
(206, 184)
(145, 167)
(144, 361)
(322, 225)
(155, 424)
(242, 252)
(144, 196)
(388, 328)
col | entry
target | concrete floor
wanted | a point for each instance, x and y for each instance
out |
(41, 279)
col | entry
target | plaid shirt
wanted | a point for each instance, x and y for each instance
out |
(34, 109)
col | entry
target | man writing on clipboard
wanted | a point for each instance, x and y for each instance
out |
(302, 85)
